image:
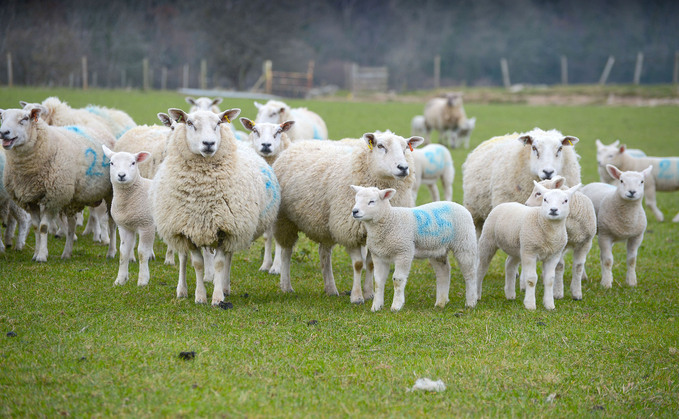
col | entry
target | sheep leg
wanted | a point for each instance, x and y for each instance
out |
(208, 263)
(369, 270)
(487, 250)
(126, 249)
(548, 274)
(182, 288)
(558, 277)
(145, 251)
(24, 226)
(276, 266)
(633, 244)
(467, 262)
(606, 254)
(381, 273)
(100, 213)
(112, 236)
(442, 269)
(198, 266)
(325, 256)
(169, 257)
(400, 278)
(357, 263)
(434, 191)
(222, 274)
(579, 259)
(268, 242)
(511, 269)
(9, 231)
(649, 197)
(35, 220)
(89, 227)
(676, 218)
(286, 257)
(70, 237)
(529, 270)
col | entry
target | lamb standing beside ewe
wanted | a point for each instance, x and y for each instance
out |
(308, 125)
(503, 169)
(434, 162)
(527, 234)
(397, 235)
(443, 114)
(607, 152)
(11, 215)
(211, 193)
(620, 217)
(131, 210)
(308, 170)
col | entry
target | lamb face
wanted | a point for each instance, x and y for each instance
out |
(203, 103)
(389, 153)
(123, 167)
(15, 128)
(555, 204)
(370, 202)
(546, 157)
(630, 184)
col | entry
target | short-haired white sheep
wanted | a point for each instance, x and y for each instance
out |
(308, 125)
(664, 178)
(131, 210)
(527, 235)
(606, 152)
(443, 113)
(620, 217)
(50, 170)
(581, 229)
(308, 170)
(398, 235)
(503, 169)
(11, 215)
(434, 162)
(211, 192)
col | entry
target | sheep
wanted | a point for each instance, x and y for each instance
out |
(308, 125)
(620, 217)
(11, 215)
(502, 169)
(464, 133)
(211, 192)
(527, 234)
(417, 126)
(443, 113)
(397, 235)
(269, 140)
(665, 176)
(433, 162)
(50, 170)
(581, 228)
(151, 138)
(131, 210)
(307, 170)
(207, 104)
(97, 223)
(605, 152)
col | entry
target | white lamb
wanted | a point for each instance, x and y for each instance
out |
(51, 170)
(269, 140)
(307, 170)
(11, 215)
(607, 152)
(620, 217)
(207, 104)
(443, 114)
(581, 228)
(527, 235)
(464, 133)
(211, 193)
(434, 162)
(151, 138)
(397, 235)
(665, 176)
(308, 125)
(418, 126)
(131, 210)
(503, 169)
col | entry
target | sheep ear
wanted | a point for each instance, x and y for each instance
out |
(574, 189)
(190, 100)
(107, 151)
(613, 171)
(35, 113)
(258, 105)
(647, 171)
(387, 193)
(165, 119)
(177, 115)
(539, 187)
(229, 115)
(216, 101)
(369, 139)
(23, 104)
(569, 140)
(622, 148)
(285, 126)
(616, 143)
(281, 110)
(559, 182)
(247, 124)
(598, 143)
(142, 156)
(356, 188)
(415, 141)
(526, 139)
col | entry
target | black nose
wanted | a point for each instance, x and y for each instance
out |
(402, 168)
(553, 211)
(4, 134)
(209, 144)
(631, 193)
(121, 176)
(548, 173)
(354, 212)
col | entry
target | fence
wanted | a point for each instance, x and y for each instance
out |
(360, 79)
(284, 83)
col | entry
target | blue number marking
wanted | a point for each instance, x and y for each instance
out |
(433, 224)
(91, 169)
(664, 169)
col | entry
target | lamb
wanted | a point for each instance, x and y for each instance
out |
(11, 215)
(581, 228)
(665, 176)
(443, 113)
(503, 169)
(211, 193)
(527, 234)
(269, 140)
(463, 133)
(131, 210)
(152, 138)
(606, 152)
(397, 235)
(307, 170)
(620, 217)
(418, 126)
(433, 162)
(207, 104)
(50, 170)
(308, 125)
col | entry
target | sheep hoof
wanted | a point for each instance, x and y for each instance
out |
(357, 300)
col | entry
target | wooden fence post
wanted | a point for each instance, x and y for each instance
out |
(310, 75)
(437, 71)
(505, 73)
(84, 62)
(564, 70)
(607, 70)
(638, 67)
(268, 76)
(203, 74)
(10, 76)
(185, 78)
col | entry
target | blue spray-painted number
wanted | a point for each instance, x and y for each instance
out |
(437, 162)
(272, 187)
(666, 171)
(432, 223)
(93, 170)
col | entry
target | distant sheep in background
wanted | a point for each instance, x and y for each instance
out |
(607, 152)
(434, 162)
(308, 125)
(443, 114)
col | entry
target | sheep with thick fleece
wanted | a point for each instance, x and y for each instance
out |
(208, 104)
(211, 192)
(308, 125)
(434, 162)
(443, 114)
(503, 169)
(527, 235)
(620, 217)
(398, 235)
(269, 140)
(664, 178)
(607, 152)
(581, 228)
(50, 170)
(131, 210)
(11, 215)
(307, 170)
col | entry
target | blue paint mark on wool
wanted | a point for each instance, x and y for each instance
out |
(272, 187)
(433, 222)
(437, 161)
(668, 169)
(317, 134)
(78, 130)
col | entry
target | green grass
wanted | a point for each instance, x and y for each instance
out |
(86, 348)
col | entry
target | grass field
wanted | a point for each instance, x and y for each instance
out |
(83, 347)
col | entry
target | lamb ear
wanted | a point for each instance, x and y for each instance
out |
(229, 115)
(647, 171)
(356, 188)
(598, 143)
(540, 188)
(559, 182)
(247, 123)
(369, 139)
(177, 115)
(613, 171)
(217, 101)
(258, 105)
(23, 104)
(526, 139)
(281, 110)
(622, 148)
(190, 100)
(574, 189)
(142, 156)
(569, 140)
(285, 126)
(107, 151)
(387, 193)
(414, 141)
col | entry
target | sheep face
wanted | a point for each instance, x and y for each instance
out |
(555, 201)
(630, 184)
(204, 104)
(546, 151)
(266, 137)
(388, 153)
(124, 168)
(15, 130)
(609, 154)
(273, 111)
(370, 202)
(203, 129)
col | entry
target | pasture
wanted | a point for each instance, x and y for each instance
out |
(81, 347)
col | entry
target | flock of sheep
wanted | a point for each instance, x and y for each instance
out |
(209, 190)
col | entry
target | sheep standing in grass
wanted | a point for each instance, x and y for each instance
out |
(581, 228)
(308, 170)
(131, 210)
(606, 153)
(527, 235)
(308, 125)
(269, 140)
(503, 169)
(665, 176)
(443, 114)
(11, 215)
(211, 193)
(50, 170)
(463, 133)
(620, 217)
(434, 162)
(397, 235)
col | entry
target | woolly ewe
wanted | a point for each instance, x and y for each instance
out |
(308, 125)
(443, 114)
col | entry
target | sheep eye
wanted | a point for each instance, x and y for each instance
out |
(642, 181)
(133, 163)
(380, 146)
(371, 203)
(565, 202)
(538, 194)
(559, 150)
(23, 120)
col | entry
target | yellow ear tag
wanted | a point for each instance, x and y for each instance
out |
(370, 144)
(411, 147)
(180, 118)
(227, 119)
(569, 141)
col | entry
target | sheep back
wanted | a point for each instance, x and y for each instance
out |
(145, 138)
